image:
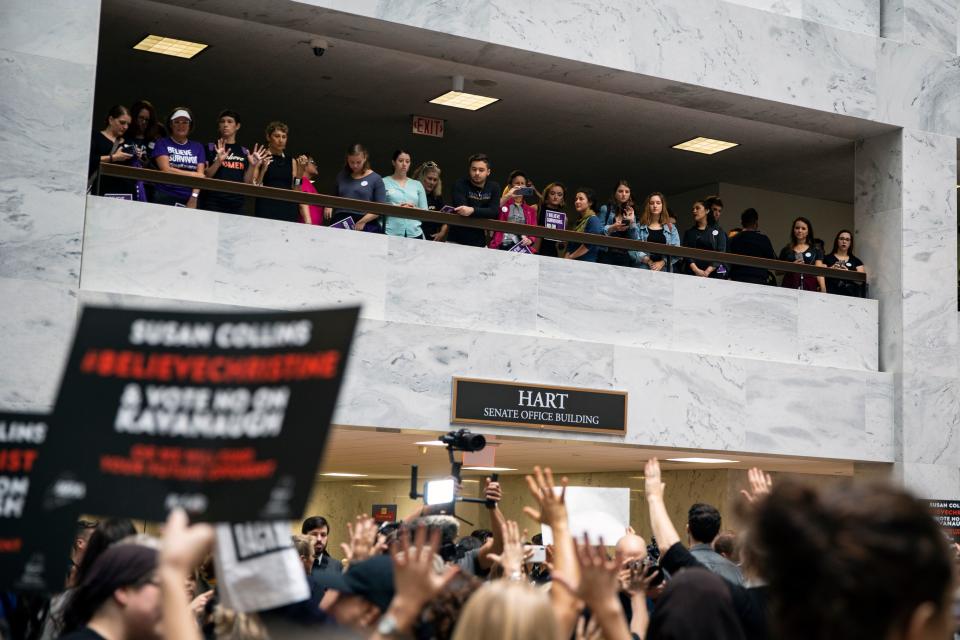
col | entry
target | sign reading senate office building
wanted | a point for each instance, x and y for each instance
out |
(514, 404)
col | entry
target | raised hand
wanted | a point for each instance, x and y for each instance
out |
(760, 485)
(258, 154)
(652, 482)
(363, 540)
(553, 507)
(414, 577)
(513, 553)
(221, 150)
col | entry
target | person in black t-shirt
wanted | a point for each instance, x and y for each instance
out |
(476, 196)
(229, 161)
(703, 235)
(428, 174)
(841, 258)
(108, 145)
(750, 241)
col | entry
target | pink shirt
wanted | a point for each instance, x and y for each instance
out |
(316, 213)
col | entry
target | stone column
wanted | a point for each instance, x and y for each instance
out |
(48, 55)
(906, 234)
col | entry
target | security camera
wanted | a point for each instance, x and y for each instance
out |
(319, 46)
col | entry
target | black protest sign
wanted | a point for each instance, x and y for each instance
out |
(22, 438)
(947, 514)
(223, 414)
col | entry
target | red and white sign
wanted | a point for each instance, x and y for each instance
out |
(424, 126)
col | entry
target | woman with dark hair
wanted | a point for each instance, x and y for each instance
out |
(145, 130)
(584, 203)
(403, 191)
(109, 145)
(360, 182)
(514, 209)
(107, 533)
(619, 220)
(119, 599)
(801, 250)
(703, 235)
(554, 200)
(655, 226)
(841, 258)
(179, 155)
(854, 562)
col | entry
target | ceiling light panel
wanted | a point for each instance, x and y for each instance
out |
(706, 146)
(462, 100)
(702, 460)
(170, 46)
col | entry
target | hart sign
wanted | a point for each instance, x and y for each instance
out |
(424, 126)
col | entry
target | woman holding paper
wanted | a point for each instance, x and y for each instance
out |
(554, 201)
(514, 209)
(404, 191)
(360, 182)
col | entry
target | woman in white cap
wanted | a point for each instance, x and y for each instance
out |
(176, 153)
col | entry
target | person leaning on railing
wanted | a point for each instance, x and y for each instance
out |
(583, 203)
(358, 181)
(403, 191)
(619, 220)
(109, 145)
(428, 174)
(841, 258)
(802, 251)
(474, 196)
(177, 154)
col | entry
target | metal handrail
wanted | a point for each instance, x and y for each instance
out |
(439, 217)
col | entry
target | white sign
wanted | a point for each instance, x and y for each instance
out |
(600, 512)
(424, 126)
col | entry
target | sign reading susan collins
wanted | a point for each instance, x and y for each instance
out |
(514, 404)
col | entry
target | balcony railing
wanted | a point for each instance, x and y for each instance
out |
(287, 195)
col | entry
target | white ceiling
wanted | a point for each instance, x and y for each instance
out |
(364, 90)
(389, 453)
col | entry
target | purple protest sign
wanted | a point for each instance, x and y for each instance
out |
(520, 248)
(346, 223)
(554, 219)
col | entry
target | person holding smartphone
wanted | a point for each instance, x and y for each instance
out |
(841, 258)
(514, 209)
(619, 220)
(108, 145)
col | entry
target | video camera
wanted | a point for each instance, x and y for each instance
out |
(442, 493)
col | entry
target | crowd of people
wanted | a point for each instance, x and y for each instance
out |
(847, 562)
(135, 136)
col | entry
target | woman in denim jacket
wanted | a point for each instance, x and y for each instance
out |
(655, 226)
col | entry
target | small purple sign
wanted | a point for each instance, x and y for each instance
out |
(554, 219)
(520, 248)
(119, 196)
(448, 209)
(346, 223)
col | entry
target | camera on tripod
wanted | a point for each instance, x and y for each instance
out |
(442, 493)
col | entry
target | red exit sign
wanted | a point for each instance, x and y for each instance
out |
(424, 126)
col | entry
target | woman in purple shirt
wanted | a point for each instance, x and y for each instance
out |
(176, 153)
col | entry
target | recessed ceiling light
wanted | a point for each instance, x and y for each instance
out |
(430, 443)
(463, 100)
(701, 460)
(470, 480)
(488, 469)
(707, 146)
(170, 46)
(344, 475)
(364, 486)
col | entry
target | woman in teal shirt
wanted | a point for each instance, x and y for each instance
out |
(404, 192)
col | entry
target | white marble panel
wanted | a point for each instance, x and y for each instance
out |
(792, 8)
(880, 414)
(132, 301)
(603, 303)
(930, 481)
(458, 286)
(918, 88)
(878, 175)
(149, 249)
(931, 419)
(44, 138)
(837, 331)
(37, 327)
(280, 265)
(861, 16)
(735, 318)
(62, 29)
(802, 411)
(682, 399)
(400, 374)
(931, 24)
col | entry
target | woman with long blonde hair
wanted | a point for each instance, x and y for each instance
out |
(507, 610)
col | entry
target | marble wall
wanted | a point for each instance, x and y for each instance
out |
(906, 223)
(150, 250)
(48, 57)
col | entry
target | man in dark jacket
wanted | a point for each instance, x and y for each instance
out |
(475, 197)
(750, 242)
